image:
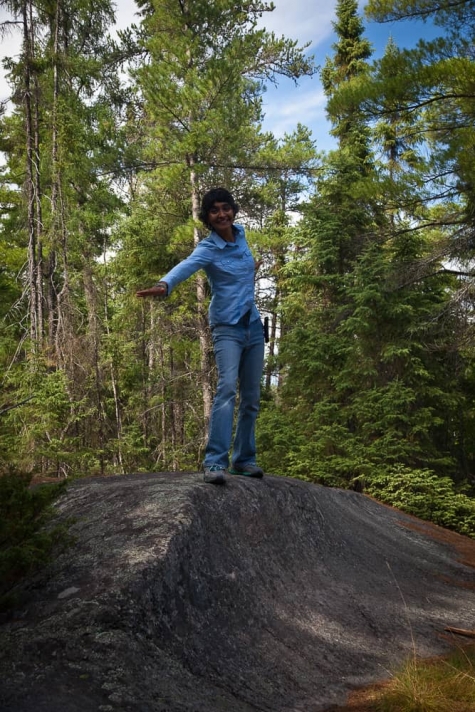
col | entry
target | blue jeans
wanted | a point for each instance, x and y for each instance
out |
(239, 354)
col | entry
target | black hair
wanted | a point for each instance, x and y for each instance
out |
(216, 195)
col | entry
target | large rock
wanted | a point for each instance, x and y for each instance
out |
(274, 595)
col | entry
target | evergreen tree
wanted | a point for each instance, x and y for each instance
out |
(290, 166)
(369, 380)
(337, 224)
(430, 87)
(349, 61)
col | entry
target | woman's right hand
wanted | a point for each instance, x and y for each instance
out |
(158, 290)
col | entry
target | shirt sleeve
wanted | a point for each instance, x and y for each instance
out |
(199, 258)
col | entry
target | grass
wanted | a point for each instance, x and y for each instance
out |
(446, 685)
(438, 685)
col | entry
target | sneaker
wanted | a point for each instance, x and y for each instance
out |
(249, 470)
(214, 474)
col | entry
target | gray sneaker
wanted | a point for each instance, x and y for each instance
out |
(249, 470)
(214, 474)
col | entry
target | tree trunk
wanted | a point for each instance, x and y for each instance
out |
(206, 348)
(57, 300)
(36, 174)
(94, 338)
(114, 379)
(53, 322)
(34, 297)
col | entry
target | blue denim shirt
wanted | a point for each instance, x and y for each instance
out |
(229, 267)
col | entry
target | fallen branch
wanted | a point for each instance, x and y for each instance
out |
(460, 631)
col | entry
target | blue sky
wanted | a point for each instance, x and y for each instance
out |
(301, 20)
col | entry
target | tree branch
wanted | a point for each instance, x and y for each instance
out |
(15, 405)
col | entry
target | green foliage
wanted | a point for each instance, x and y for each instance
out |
(424, 494)
(349, 62)
(26, 542)
(43, 426)
(374, 380)
(203, 85)
(278, 436)
(364, 388)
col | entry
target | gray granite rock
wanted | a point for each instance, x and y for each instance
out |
(177, 596)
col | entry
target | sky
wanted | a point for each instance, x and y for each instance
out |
(305, 21)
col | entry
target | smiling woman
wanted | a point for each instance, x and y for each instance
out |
(221, 218)
(218, 210)
(237, 332)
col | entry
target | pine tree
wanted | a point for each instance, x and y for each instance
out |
(337, 224)
(349, 61)
(430, 87)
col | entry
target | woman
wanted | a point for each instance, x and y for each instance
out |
(237, 333)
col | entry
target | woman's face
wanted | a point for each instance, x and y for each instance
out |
(220, 217)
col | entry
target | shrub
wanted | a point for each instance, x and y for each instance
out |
(426, 495)
(25, 542)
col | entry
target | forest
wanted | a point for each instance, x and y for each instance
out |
(107, 145)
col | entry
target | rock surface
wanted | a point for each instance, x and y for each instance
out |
(273, 595)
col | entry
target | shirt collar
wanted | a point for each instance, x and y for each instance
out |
(219, 242)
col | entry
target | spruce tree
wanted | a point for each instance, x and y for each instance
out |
(333, 234)
(376, 380)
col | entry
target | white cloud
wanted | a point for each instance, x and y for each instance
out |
(292, 104)
(302, 20)
(11, 43)
(126, 14)
(307, 103)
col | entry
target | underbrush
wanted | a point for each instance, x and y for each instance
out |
(427, 496)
